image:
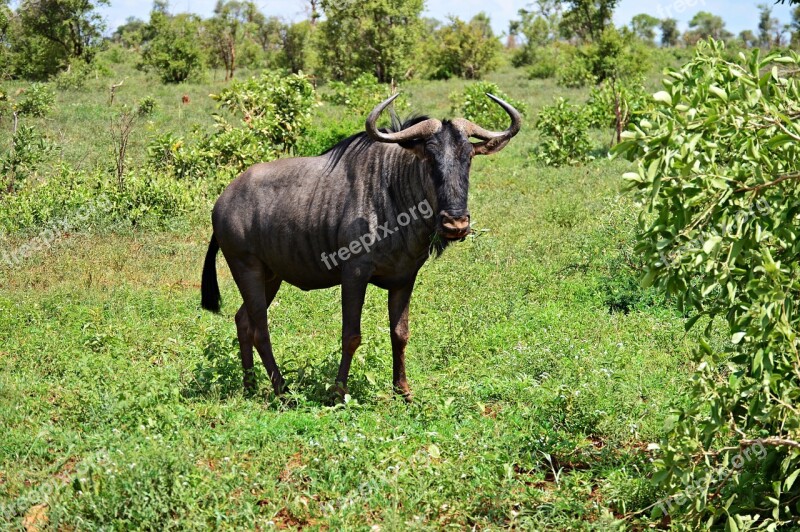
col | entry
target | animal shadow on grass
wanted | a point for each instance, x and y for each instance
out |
(314, 379)
(219, 375)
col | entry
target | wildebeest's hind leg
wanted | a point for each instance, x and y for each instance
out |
(258, 287)
(399, 299)
(354, 289)
(245, 334)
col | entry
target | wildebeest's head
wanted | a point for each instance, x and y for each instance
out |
(449, 152)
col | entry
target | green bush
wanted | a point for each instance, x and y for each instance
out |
(543, 69)
(630, 96)
(28, 150)
(474, 105)
(36, 100)
(573, 71)
(271, 113)
(275, 108)
(175, 52)
(544, 62)
(564, 134)
(146, 106)
(465, 49)
(717, 181)
(70, 200)
(614, 56)
(320, 139)
(72, 79)
(361, 95)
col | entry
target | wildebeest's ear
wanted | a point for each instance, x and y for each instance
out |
(417, 146)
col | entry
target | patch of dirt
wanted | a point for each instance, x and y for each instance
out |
(491, 410)
(294, 464)
(285, 519)
(67, 470)
(35, 518)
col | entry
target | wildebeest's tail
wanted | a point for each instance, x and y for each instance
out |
(209, 288)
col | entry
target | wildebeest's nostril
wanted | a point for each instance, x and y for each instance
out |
(453, 224)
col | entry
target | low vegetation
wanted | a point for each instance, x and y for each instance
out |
(599, 353)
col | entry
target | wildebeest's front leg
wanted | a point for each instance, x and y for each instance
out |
(399, 299)
(354, 288)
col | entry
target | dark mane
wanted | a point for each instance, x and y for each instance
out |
(361, 141)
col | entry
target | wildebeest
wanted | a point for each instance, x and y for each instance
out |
(370, 210)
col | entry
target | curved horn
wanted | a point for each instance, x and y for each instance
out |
(492, 141)
(422, 130)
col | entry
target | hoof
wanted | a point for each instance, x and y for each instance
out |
(339, 391)
(249, 383)
(405, 392)
(280, 388)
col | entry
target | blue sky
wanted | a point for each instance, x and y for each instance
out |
(738, 14)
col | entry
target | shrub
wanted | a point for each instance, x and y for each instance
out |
(613, 56)
(28, 149)
(544, 62)
(617, 104)
(271, 114)
(320, 139)
(717, 181)
(175, 51)
(73, 78)
(37, 100)
(275, 109)
(564, 134)
(473, 105)
(464, 49)
(361, 95)
(146, 106)
(574, 72)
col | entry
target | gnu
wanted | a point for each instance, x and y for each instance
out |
(277, 220)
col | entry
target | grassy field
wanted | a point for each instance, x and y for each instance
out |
(540, 370)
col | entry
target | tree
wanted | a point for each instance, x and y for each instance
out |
(5, 26)
(644, 26)
(131, 34)
(669, 32)
(64, 30)
(295, 40)
(539, 26)
(748, 38)
(766, 25)
(795, 28)
(466, 50)
(174, 51)
(229, 30)
(375, 36)
(587, 19)
(704, 25)
(513, 33)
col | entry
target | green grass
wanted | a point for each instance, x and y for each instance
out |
(121, 404)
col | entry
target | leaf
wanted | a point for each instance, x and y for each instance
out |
(718, 92)
(433, 451)
(787, 484)
(712, 244)
(663, 97)
(737, 337)
(648, 279)
(691, 321)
